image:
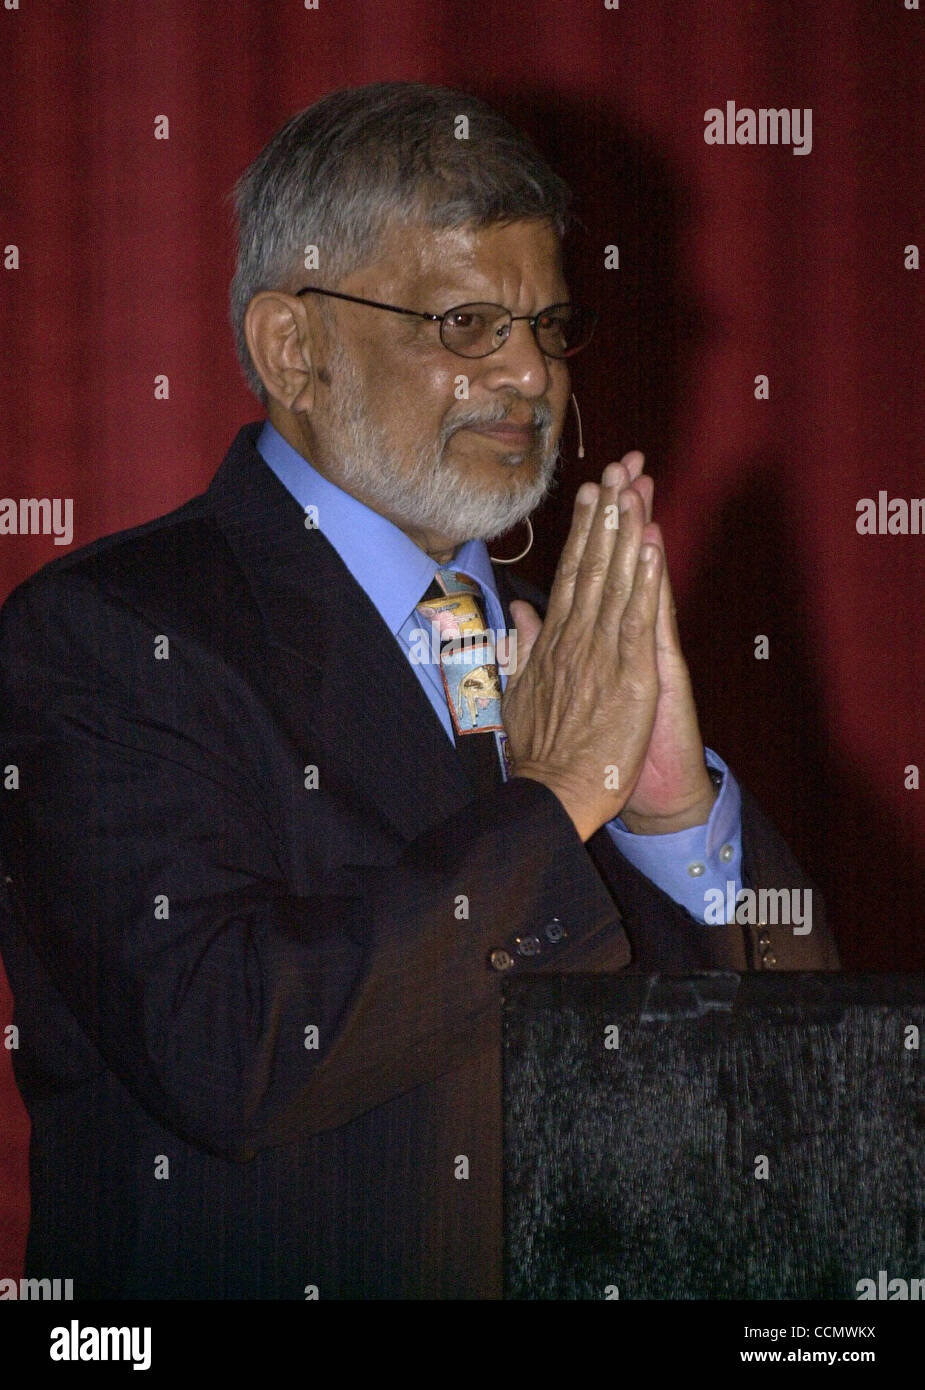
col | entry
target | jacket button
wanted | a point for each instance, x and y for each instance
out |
(501, 960)
(555, 930)
(769, 959)
(528, 945)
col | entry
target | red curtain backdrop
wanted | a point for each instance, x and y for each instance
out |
(734, 262)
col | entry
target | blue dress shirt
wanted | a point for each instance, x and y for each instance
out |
(395, 574)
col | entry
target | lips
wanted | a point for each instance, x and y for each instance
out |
(507, 432)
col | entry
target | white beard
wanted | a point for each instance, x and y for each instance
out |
(428, 497)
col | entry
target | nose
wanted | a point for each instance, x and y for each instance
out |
(519, 363)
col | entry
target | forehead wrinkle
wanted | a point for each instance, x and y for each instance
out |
(505, 281)
(415, 267)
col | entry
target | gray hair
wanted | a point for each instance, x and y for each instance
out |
(337, 172)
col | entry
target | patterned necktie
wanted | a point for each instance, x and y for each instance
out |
(468, 665)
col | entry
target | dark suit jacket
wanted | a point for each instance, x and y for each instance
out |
(185, 908)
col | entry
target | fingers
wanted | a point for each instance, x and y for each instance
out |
(563, 586)
(512, 657)
(622, 503)
(621, 574)
(645, 486)
(667, 636)
(607, 536)
(633, 462)
(637, 626)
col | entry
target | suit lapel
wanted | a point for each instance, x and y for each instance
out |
(335, 673)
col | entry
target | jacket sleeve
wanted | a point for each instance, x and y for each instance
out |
(151, 884)
(665, 937)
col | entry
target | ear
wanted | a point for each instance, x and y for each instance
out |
(283, 337)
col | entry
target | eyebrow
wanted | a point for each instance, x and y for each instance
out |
(457, 297)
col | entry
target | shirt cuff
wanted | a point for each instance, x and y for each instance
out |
(700, 868)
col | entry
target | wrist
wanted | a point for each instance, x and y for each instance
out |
(685, 818)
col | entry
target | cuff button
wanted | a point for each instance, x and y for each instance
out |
(528, 945)
(501, 960)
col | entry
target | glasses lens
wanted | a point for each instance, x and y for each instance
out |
(564, 329)
(475, 330)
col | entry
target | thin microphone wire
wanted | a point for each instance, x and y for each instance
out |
(581, 443)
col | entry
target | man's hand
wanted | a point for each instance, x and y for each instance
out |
(599, 613)
(580, 708)
(674, 790)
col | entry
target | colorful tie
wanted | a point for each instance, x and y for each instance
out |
(468, 665)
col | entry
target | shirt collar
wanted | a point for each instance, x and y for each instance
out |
(393, 571)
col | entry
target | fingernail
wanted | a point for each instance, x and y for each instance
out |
(586, 493)
(612, 474)
(648, 554)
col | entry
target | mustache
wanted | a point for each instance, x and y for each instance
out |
(483, 417)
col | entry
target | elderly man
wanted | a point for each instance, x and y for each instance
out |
(268, 861)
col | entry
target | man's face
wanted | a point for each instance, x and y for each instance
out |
(392, 427)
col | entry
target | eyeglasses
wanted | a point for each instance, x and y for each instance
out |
(477, 330)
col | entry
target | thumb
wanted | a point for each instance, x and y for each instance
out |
(528, 625)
